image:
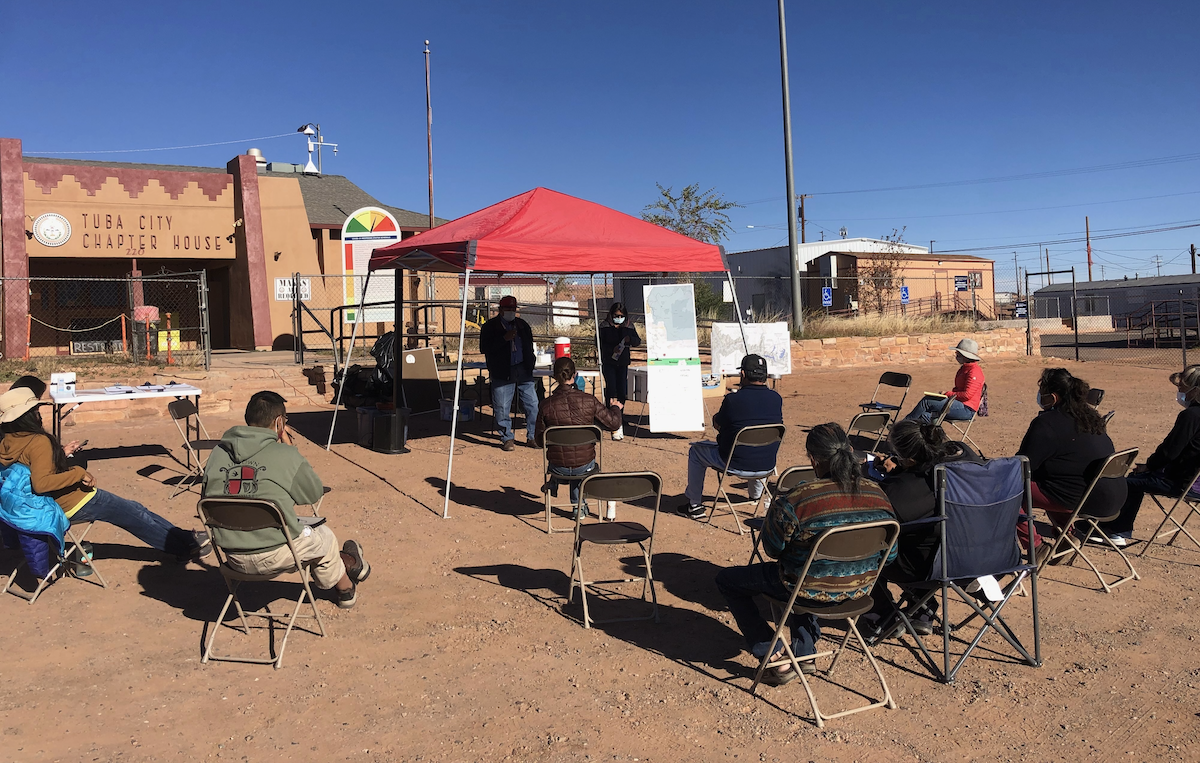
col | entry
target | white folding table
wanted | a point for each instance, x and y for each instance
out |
(80, 397)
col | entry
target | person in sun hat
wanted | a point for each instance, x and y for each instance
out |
(74, 489)
(967, 394)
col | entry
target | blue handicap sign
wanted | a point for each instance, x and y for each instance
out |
(826, 296)
(904, 295)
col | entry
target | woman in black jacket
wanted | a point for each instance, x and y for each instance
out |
(616, 337)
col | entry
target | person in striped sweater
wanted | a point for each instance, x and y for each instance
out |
(839, 495)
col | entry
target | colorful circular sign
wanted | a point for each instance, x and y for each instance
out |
(51, 229)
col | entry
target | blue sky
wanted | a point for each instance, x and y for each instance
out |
(602, 100)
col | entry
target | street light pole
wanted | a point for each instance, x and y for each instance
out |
(793, 244)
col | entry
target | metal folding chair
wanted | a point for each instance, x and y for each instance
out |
(756, 436)
(1189, 500)
(588, 434)
(253, 514)
(891, 380)
(184, 410)
(978, 508)
(964, 432)
(862, 543)
(1115, 466)
(73, 554)
(790, 478)
(624, 487)
(867, 430)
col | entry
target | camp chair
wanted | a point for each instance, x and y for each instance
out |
(183, 410)
(964, 432)
(588, 434)
(1067, 544)
(791, 477)
(1094, 398)
(1189, 499)
(624, 487)
(978, 506)
(74, 554)
(892, 380)
(756, 436)
(866, 542)
(867, 430)
(251, 514)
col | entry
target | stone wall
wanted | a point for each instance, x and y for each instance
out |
(842, 352)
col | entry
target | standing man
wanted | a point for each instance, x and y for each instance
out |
(506, 342)
(755, 403)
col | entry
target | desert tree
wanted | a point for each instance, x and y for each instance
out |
(879, 275)
(701, 216)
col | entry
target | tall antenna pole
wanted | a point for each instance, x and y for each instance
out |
(1087, 231)
(429, 131)
(1017, 269)
(793, 244)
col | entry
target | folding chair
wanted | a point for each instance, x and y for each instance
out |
(978, 508)
(1190, 499)
(864, 426)
(624, 487)
(892, 380)
(791, 477)
(1115, 466)
(248, 515)
(964, 432)
(1094, 398)
(862, 543)
(184, 410)
(588, 434)
(73, 552)
(756, 436)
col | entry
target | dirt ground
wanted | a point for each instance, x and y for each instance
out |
(461, 649)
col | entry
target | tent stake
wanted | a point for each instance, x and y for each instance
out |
(358, 316)
(462, 341)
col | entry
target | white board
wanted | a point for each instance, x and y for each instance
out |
(773, 341)
(364, 231)
(675, 398)
(670, 321)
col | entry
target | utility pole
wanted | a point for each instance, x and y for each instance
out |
(1101, 272)
(803, 196)
(793, 245)
(1158, 263)
(429, 132)
(1087, 232)
(1049, 275)
(1193, 259)
(1017, 270)
(931, 245)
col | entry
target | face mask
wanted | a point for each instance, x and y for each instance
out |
(510, 315)
(618, 319)
(1182, 399)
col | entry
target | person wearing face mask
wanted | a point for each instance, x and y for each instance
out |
(1064, 444)
(1171, 465)
(506, 342)
(616, 337)
(255, 461)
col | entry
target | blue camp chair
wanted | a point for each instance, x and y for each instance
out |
(979, 506)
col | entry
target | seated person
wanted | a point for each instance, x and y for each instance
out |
(1063, 442)
(754, 403)
(838, 496)
(1171, 465)
(32, 523)
(909, 486)
(253, 461)
(967, 394)
(74, 489)
(567, 406)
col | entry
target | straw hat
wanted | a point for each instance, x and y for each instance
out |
(15, 402)
(968, 348)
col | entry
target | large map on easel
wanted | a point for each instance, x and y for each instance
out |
(673, 359)
(773, 341)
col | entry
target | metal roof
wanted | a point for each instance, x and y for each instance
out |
(1122, 283)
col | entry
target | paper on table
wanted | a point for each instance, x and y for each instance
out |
(119, 389)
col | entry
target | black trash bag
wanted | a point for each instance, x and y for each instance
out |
(384, 353)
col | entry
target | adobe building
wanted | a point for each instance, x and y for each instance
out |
(244, 225)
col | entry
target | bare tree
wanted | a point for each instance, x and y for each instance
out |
(879, 276)
(698, 215)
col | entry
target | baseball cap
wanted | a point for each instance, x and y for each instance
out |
(755, 367)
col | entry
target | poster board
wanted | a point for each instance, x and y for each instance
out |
(364, 231)
(773, 341)
(673, 359)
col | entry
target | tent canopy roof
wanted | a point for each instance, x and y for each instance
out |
(544, 231)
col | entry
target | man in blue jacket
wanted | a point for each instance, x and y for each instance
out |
(506, 342)
(754, 403)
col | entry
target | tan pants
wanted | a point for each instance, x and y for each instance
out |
(315, 543)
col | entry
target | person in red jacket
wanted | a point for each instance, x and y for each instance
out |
(965, 398)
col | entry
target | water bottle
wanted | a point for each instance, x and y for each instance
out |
(610, 510)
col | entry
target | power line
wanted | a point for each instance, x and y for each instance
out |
(163, 148)
(1072, 240)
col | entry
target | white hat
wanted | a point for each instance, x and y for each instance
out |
(15, 402)
(968, 348)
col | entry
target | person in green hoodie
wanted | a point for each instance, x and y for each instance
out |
(254, 461)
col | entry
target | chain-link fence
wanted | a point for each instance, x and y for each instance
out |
(153, 319)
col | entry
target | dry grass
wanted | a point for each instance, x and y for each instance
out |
(821, 326)
(85, 367)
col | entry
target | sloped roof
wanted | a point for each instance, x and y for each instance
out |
(1121, 283)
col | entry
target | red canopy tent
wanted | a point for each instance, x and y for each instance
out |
(541, 231)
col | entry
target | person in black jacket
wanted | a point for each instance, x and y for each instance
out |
(1169, 468)
(754, 403)
(1064, 444)
(616, 337)
(506, 342)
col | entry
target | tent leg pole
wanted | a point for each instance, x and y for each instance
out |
(596, 320)
(737, 310)
(337, 403)
(462, 338)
